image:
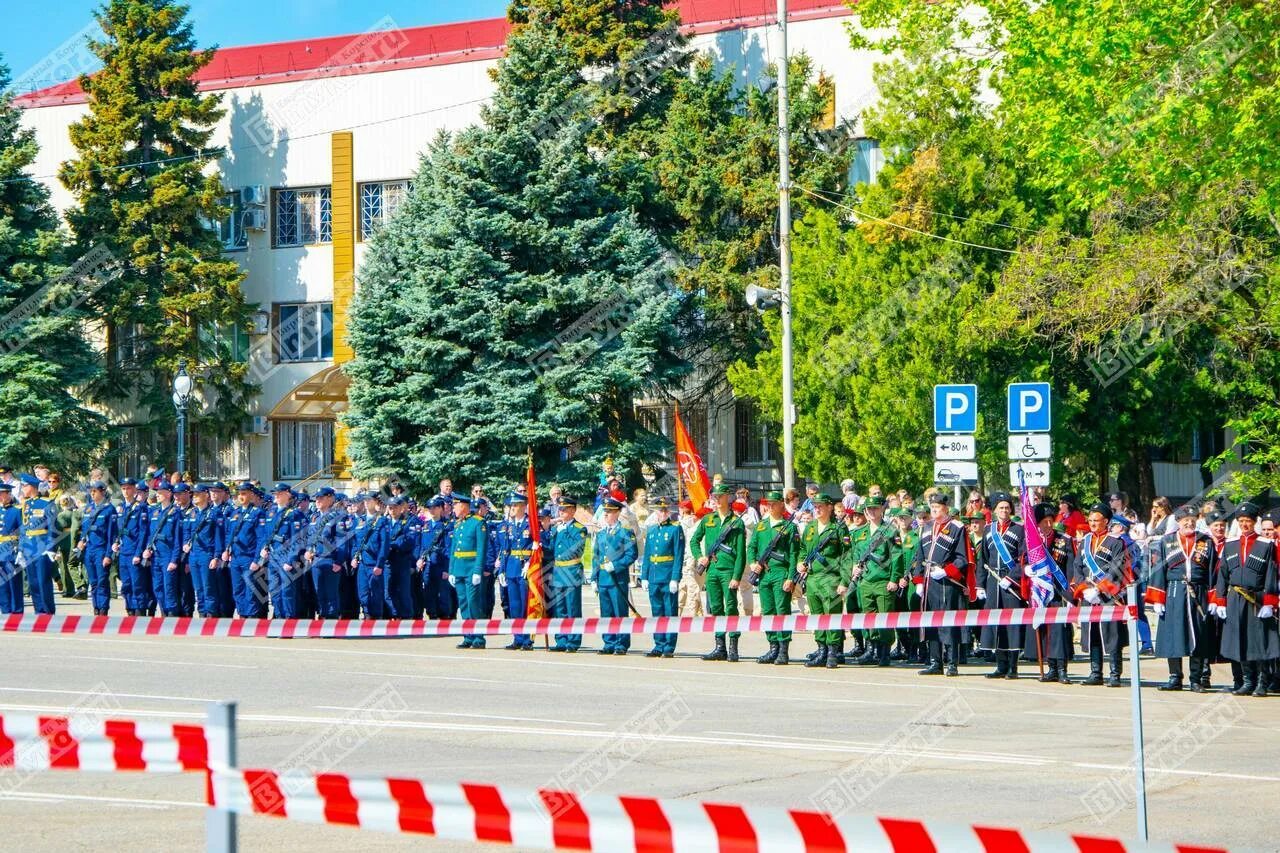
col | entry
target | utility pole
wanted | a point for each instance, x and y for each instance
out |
(784, 255)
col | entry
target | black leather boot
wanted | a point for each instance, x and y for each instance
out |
(872, 655)
(820, 659)
(769, 656)
(718, 653)
(1117, 668)
(1002, 666)
(837, 651)
(1249, 682)
(784, 653)
(1012, 658)
(733, 650)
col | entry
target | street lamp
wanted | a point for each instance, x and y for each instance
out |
(182, 385)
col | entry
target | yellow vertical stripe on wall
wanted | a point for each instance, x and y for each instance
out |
(343, 201)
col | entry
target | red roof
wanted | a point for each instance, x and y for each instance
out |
(416, 47)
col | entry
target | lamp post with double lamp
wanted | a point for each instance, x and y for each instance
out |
(182, 386)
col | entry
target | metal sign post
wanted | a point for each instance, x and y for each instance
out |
(220, 824)
(1139, 760)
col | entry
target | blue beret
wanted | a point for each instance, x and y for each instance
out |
(246, 486)
(203, 487)
(325, 492)
(342, 496)
(1117, 518)
(30, 480)
(398, 500)
(128, 481)
(375, 496)
(282, 487)
(220, 486)
(516, 498)
(434, 502)
(181, 488)
(302, 494)
(164, 486)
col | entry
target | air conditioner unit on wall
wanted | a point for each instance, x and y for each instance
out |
(255, 220)
(261, 426)
(253, 195)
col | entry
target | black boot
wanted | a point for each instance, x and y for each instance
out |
(784, 653)
(1012, 658)
(1050, 673)
(1095, 670)
(1062, 672)
(934, 668)
(733, 650)
(1264, 681)
(1175, 674)
(1249, 682)
(858, 648)
(821, 658)
(953, 652)
(769, 656)
(1002, 666)
(1117, 667)
(837, 651)
(882, 658)
(718, 653)
(1197, 675)
(1174, 683)
(872, 654)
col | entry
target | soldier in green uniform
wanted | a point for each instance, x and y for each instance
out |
(904, 549)
(855, 520)
(871, 556)
(771, 559)
(826, 577)
(719, 543)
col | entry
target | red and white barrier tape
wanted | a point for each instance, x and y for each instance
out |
(548, 819)
(287, 628)
(86, 742)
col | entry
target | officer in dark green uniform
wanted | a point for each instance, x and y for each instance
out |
(772, 552)
(873, 572)
(719, 545)
(826, 577)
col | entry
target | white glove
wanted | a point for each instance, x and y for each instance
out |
(607, 565)
(938, 574)
(1091, 596)
(595, 585)
(475, 580)
(1026, 570)
(1005, 583)
(982, 594)
(453, 581)
(674, 586)
(1266, 611)
(1158, 609)
(919, 589)
(644, 584)
(51, 555)
(502, 579)
(1221, 610)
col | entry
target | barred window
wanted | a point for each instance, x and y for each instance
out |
(303, 216)
(378, 203)
(303, 448)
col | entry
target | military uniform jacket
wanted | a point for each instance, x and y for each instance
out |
(99, 528)
(514, 547)
(568, 544)
(1013, 539)
(873, 551)
(326, 538)
(133, 529)
(166, 536)
(731, 552)
(663, 553)
(1103, 564)
(39, 527)
(1058, 638)
(433, 544)
(402, 541)
(783, 557)
(370, 537)
(823, 551)
(617, 546)
(470, 541)
(10, 525)
(287, 542)
(1182, 580)
(945, 546)
(241, 528)
(1246, 582)
(208, 533)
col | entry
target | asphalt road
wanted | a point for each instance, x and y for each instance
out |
(883, 742)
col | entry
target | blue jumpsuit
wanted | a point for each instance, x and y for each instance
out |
(617, 546)
(11, 598)
(206, 543)
(564, 585)
(402, 545)
(38, 539)
(515, 547)
(466, 568)
(371, 551)
(434, 552)
(284, 563)
(98, 533)
(166, 550)
(663, 561)
(241, 548)
(348, 594)
(324, 541)
(133, 531)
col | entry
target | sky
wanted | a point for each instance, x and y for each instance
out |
(41, 39)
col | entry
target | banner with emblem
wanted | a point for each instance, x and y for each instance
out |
(689, 467)
(535, 605)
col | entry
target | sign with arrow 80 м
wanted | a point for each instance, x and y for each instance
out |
(952, 447)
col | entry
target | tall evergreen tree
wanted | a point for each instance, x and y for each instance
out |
(145, 192)
(44, 353)
(513, 303)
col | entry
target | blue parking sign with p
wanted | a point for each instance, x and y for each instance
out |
(955, 408)
(1029, 407)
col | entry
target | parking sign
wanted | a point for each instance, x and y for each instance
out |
(955, 408)
(1029, 409)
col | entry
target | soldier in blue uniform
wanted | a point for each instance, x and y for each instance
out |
(220, 570)
(564, 585)
(370, 560)
(182, 586)
(203, 548)
(433, 561)
(467, 565)
(282, 554)
(417, 592)
(37, 542)
(402, 543)
(515, 547)
(163, 554)
(240, 550)
(11, 598)
(660, 573)
(612, 554)
(97, 534)
(305, 512)
(133, 532)
(348, 595)
(325, 535)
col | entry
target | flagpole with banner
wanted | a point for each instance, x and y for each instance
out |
(535, 604)
(689, 468)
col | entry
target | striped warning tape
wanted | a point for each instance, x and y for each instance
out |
(86, 742)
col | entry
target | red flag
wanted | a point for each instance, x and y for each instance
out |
(689, 466)
(535, 606)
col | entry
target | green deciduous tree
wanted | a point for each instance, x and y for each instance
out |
(145, 191)
(44, 354)
(514, 303)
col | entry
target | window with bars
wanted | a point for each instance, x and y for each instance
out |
(135, 447)
(303, 216)
(661, 420)
(753, 445)
(378, 203)
(130, 347)
(302, 448)
(222, 458)
(304, 331)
